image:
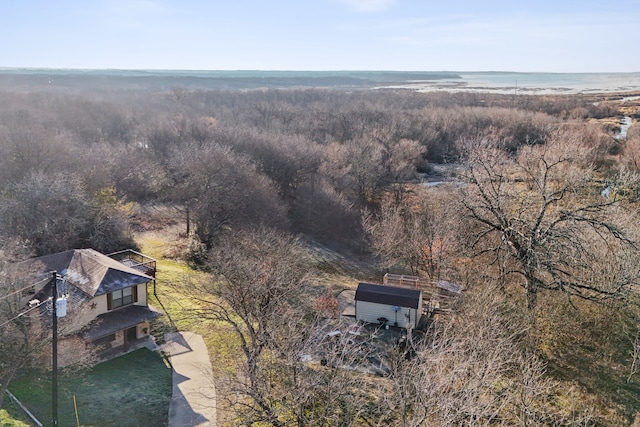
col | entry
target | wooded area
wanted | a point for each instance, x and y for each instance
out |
(534, 214)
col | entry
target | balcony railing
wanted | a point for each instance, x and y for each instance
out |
(136, 260)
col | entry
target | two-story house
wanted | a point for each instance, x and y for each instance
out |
(107, 297)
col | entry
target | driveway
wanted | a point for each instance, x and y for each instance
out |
(193, 402)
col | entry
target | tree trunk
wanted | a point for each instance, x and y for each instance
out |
(532, 295)
(188, 221)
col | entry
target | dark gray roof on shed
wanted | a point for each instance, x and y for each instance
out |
(92, 272)
(389, 295)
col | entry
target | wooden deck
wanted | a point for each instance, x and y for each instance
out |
(438, 296)
(141, 262)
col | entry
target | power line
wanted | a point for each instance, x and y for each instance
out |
(25, 312)
(25, 288)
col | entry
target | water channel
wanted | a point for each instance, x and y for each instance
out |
(625, 124)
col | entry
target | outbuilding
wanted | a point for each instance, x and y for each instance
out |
(393, 305)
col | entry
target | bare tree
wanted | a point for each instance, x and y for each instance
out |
(290, 161)
(54, 213)
(321, 212)
(631, 149)
(475, 368)
(256, 289)
(19, 341)
(289, 370)
(27, 146)
(355, 168)
(50, 212)
(635, 356)
(420, 233)
(540, 216)
(223, 190)
(403, 157)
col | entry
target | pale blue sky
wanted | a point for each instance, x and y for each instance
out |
(457, 35)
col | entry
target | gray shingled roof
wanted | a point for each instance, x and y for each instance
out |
(92, 272)
(113, 321)
(389, 295)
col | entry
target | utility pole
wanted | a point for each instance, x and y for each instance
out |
(54, 351)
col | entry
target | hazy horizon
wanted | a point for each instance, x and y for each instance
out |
(248, 70)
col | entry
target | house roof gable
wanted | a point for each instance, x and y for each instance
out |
(388, 295)
(92, 272)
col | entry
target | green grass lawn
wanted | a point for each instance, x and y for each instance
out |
(131, 390)
(12, 416)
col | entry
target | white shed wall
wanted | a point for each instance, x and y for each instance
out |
(371, 311)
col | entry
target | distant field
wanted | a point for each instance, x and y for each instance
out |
(423, 81)
(51, 79)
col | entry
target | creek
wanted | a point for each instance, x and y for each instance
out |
(625, 123)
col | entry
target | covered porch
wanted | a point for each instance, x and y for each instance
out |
(121, 331)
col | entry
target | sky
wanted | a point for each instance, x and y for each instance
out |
(403, 35)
